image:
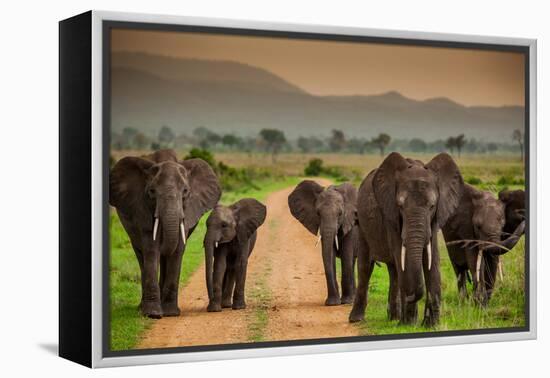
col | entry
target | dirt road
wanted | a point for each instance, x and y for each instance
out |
(285, 293)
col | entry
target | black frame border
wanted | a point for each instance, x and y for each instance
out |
(108, 25)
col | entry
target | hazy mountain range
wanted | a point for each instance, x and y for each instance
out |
(149, 91)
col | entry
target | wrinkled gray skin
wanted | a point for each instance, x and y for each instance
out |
(480, 216)
(331, 212)
(157, 186)
(229, 240)
(404, 203)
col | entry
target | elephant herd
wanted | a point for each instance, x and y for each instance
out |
(393, 218)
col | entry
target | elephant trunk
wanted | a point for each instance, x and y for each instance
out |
(508, 243)
(169, 215)
(414, 240)
(328, 243)
(209, 243)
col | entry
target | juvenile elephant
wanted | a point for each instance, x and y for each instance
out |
(229, 240)
(401, 206)
(474, 233)
(330, 213)
(159, 202)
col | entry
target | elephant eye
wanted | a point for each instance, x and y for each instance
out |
(185, 192)
(152, 192)
(224, 224)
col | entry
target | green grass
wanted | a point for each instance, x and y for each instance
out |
(505, 309)
(127, 324)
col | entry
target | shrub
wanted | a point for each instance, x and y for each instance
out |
(203, 154)
(473, 180)
(314, 167)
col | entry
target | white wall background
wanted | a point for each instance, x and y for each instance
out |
(29, 215)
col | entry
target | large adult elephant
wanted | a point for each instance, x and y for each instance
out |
(230, 238)
(401, 206)
(159, 201)
(330, 213)
(474, 234)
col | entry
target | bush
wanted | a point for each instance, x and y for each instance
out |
(199, 153)
(473, 180)
(314, 167)
(510, 180)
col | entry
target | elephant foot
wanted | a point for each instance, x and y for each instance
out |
(238, 305)
(151, 309)
(170, 309)
(347, 299)
(333, 301)
(356, 316)
(214, 307)
(226, 303)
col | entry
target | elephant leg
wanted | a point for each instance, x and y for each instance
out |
(170, 277)
(480, 294)
(394, 301)
(220, 261)
(490, 274)
(228, 286)
(139, 257)
(461, 282)
(461, 278)
(240, 280)
(432, 278)
(348, 286)
(365, 267)
(150, 305)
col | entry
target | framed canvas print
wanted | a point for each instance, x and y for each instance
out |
(233, 189)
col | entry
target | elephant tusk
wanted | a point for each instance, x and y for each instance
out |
(499, 267)
(182, 228)
(155, 229)
(216, 244)
(478, 264)
(403, 253)
(336, 241)
(429, 255)
(318, 237)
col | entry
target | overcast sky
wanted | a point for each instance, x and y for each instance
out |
(470, 77)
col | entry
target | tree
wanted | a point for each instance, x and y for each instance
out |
(417, 145)
(274, 140)
(338, 140)
(381, 142)
(231, 141)
(127, 137)
(517, 135)
(303, 144)
(450, 143)
(459, 143)
(492, 147)
(141, 141)
(166, 135)
(206, 137)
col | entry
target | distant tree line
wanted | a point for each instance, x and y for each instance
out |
(274, 141)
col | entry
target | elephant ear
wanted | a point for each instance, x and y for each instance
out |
(204, 192)
(349, 194)
(450, 185)
(250, 215)
(301, 203)
(127, 182)
(384, 187)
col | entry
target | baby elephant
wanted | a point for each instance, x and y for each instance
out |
(229, 240)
